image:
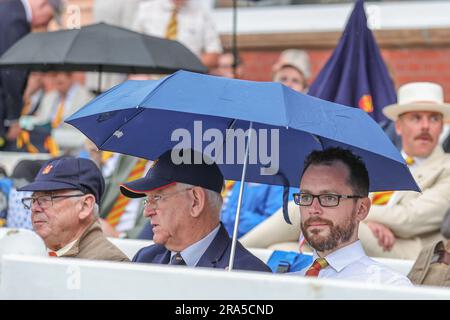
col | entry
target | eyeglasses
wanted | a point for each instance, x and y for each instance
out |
(325, 200)
(46, 201)
(158, 197)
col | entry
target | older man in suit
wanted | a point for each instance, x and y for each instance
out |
(17, 17)
(183, 202)
(64, 210)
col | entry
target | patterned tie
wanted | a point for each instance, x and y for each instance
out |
(52, 254)
(59, 114)
(172, 26)
(381, 198)
(318, 265)
(121, 202)
(177, 260)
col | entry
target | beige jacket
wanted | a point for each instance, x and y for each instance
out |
(94, 245)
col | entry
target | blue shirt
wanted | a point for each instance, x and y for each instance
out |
(192, 254)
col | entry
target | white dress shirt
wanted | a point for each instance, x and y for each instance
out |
(352, 264)
(196, 28)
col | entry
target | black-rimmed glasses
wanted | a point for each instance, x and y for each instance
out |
(325, 200)
(45, 201)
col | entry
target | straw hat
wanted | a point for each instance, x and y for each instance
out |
(418, 96)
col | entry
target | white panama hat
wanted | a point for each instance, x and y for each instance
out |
(418, 96)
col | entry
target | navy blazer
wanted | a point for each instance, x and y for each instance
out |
(13, 26)
(217, 255)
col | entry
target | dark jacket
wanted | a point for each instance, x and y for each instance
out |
(216, 256)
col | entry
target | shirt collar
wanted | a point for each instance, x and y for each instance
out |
(64, 249)
(342, 257)
(28, 12)
(192, 254)
(417, 160)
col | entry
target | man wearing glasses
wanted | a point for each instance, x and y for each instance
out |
(333, 200)
(183, 202)
(64, 210)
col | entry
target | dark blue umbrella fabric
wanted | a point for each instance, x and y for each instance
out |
(146, 118)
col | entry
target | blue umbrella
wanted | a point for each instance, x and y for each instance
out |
(146, 118)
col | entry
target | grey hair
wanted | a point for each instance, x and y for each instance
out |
(213, 198)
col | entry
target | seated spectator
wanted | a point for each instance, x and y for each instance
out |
(432, 267)
(333, 201)
(64, 208)
(57, 105)
(24, 172)
(226, 68)
(292, 69)
(183, 202)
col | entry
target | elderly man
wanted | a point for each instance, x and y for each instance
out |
(64, 207)
(17, 18)
(333, 201)
(400, 223)
(183, 202)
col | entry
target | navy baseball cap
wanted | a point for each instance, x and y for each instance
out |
(69, 173)
(164, 172)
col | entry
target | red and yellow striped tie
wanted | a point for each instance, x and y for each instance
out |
(121, 202)
(59, 115)
(318, 265)
(172, 26)
(381, 198)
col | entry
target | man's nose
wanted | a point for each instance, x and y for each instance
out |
(315, 207)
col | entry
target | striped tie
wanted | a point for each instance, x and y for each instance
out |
(318, 265)
(59, 114)
(381, 198)
(121, 202)
(177, 260)
(52, 254)
(172, 26)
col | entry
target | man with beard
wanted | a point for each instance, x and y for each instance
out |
(333, 200)
(400, 224)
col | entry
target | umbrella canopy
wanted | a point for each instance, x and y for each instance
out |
(100, 47)
(146, 118)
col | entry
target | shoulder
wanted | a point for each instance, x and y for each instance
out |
(96, 246)
(375, 272)
(148, 254)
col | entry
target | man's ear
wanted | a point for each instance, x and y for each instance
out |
(87, 206)
(363, 208)
(199, 200)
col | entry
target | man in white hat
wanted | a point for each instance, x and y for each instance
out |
(401, 223)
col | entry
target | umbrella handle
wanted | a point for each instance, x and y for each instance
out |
(241, 191)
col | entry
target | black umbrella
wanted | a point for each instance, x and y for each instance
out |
(100, 47)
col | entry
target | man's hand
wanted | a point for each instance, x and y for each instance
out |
(108, 229)
(13, 131)
(385, 236)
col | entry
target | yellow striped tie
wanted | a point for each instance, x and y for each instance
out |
(382, 198)
(59, 114)
(118, 209)
(172, 26)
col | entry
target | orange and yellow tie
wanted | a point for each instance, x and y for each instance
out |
(381, 198)
(172, 26)
(318, 265)
(59, 115)
(121, 202)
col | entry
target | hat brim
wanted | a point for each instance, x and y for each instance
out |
(48, 185)
(138, 188)
(393, 111)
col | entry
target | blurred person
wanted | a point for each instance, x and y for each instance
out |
(292, 69)
(187, 21)
(115, 12)
(432, 267)
(333, 201)
(66, 98)
(183, 202)
(34, 92)
(64, 209)
(225, 67)
(17, 18)
(24, 172)
(401, 223)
